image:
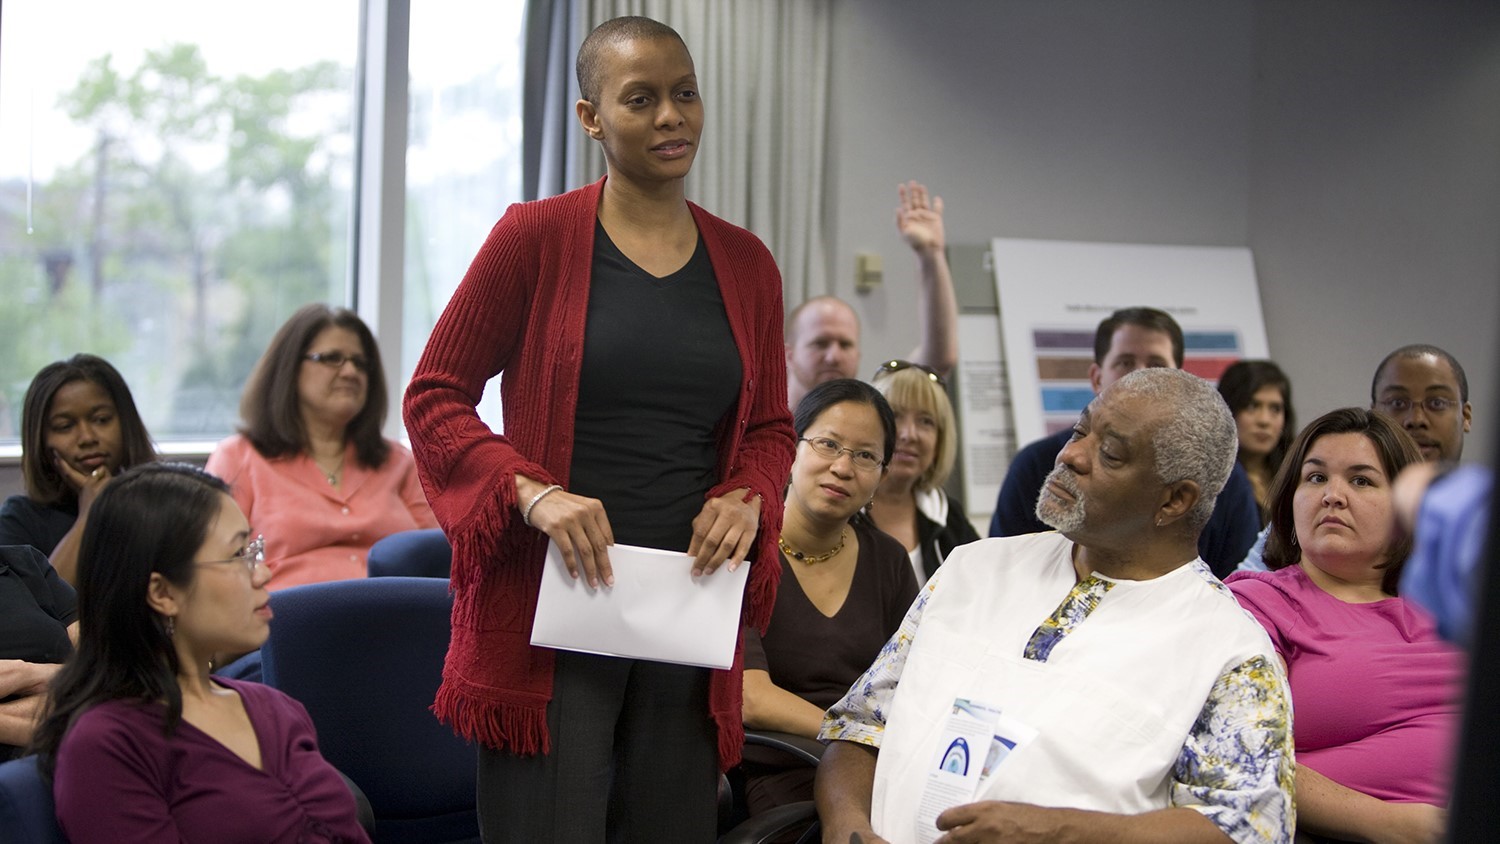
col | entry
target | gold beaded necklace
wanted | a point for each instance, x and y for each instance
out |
(813, 559)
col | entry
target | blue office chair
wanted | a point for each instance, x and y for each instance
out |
(411, 553)
(26, 811)
(365, 657)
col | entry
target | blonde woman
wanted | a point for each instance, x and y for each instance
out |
(910, 503)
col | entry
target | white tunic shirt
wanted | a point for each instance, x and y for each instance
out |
(1143, 694)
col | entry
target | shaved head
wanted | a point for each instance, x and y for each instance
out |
(590, 65)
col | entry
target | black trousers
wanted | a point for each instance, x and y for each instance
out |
(633, 759)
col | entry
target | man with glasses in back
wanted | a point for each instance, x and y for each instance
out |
(1424, 389)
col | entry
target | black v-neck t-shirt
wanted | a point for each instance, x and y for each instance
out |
(660, 372)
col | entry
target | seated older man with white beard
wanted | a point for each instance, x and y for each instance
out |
(1129, 697)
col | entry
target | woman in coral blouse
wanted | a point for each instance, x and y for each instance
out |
(1375, 688)
(310, 467)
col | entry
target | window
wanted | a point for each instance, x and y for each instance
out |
(176, 180)
(463, 154)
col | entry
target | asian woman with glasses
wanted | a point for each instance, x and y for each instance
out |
(845, 584)
(310, 466)
(911, 504)
(140, 743)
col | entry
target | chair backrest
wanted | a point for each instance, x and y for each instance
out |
(26, 810)
(365, 657)
(411, 553)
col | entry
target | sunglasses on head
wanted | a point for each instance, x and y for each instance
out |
(893, 366)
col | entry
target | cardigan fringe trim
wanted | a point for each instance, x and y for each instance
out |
(731, 732)
(515, 727)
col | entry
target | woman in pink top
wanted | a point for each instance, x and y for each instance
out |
(310, 467)
(1375, 689)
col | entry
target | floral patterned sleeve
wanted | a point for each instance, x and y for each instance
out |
(1237, 765)
(860, 716)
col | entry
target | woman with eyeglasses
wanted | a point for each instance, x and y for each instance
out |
(79, 428)
(911, 504)
(140, 743)
(845, 585)
(309, 466)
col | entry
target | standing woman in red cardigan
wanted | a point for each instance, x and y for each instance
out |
(643, 379)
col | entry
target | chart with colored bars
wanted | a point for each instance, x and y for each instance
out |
(1063, 357)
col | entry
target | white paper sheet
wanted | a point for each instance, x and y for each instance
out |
(656, 610)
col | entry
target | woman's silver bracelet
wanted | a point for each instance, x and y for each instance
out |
(526, 513)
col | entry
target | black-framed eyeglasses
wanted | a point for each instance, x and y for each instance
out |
(1432, 404)
(336, 360)
(252, 555)
(895, 365)
(831, 449)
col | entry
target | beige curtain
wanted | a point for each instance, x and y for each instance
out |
(763, 70)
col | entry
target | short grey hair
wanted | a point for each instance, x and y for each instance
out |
(1196, 441)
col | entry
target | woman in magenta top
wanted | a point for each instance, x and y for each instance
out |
(1375, 689)
(141, 744)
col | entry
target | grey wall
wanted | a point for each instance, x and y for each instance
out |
(1375, 192)
(1354, 146)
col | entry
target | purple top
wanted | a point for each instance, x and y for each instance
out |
(1375, 690)
(120, 780)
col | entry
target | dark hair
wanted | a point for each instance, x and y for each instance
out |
(1150, 319)
(1239, 384)
(151, 519)
(1397, 450)
(589, 66)
(1416, 350)
(838, 391)
(272, 409)
(43, 483)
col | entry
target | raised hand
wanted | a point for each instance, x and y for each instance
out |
(920, 219)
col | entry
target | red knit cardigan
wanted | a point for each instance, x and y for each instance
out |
(520, 311)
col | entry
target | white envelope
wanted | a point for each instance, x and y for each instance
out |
(656, 610)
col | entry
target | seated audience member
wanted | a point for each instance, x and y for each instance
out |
(38, 623)
(79, 428)
(1125, 719)
(1260, 396)
(310, 467)
(822, 333)
(1425, 390)
(1375, 689)
(140, 744)
(910, 503)
(844, 583)
(1128, 340)
(1447, 513)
